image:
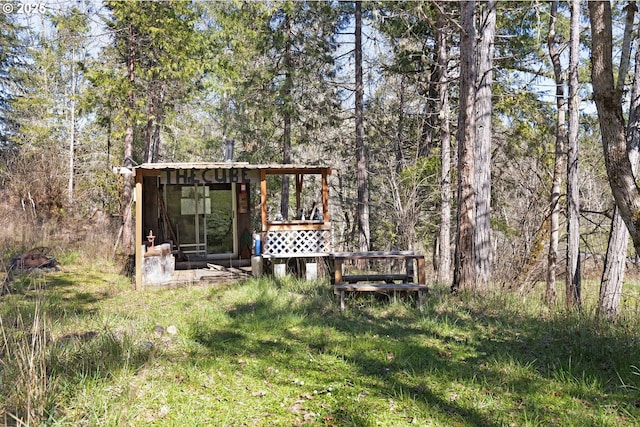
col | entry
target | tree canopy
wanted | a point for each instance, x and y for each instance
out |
(90, 86)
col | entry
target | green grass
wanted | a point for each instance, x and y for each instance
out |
(281, 353)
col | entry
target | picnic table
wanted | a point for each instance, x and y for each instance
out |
(411, 279)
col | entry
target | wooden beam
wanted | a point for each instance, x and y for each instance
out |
(148, 172)
(286, 170)
(297, 225)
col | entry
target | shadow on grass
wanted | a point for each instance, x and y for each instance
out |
(438, 356)
(65, 293)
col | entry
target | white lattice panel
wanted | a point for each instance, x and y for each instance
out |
(297, 242)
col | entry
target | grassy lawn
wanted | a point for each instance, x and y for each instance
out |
(268, 353)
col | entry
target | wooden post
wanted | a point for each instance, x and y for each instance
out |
(422, 278)
(139, 221)
(299, 180)
(263, 198)
(409, 269)
(337, 274)
(325, 197)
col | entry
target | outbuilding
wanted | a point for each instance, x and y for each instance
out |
(192, 214)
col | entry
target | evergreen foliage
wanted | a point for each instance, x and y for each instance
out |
(13, 63)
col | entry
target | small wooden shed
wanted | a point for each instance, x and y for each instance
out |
(205, 212)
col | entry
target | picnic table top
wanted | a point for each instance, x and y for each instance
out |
(376, 254)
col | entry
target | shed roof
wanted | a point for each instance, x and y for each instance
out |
(269, 168)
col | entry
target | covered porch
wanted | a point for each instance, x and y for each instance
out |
(194, 215)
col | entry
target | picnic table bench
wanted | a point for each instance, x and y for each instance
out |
(370, 282)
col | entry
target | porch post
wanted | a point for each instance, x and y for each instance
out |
(299, 180)
(325, 197)
(263, 198)
(139, 221)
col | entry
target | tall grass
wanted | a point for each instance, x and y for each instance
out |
(85, 349)
(24, 384)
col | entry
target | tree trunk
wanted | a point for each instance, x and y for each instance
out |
(482, 235)
(158, 120)
(361, 160)
(444, 253)
(573, 198)
(286, 135)
(400, 162)
(464, 271)
(625, 56)
(558, 162)
(608, 103)
(155, 151)
(72, 129)
(614, 268)
(151, 120)
(286, 158)
(155, 116)
(127, 225)
(430, 116)
(615, 260)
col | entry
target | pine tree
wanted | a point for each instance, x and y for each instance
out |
(157, 52)
(12, 76)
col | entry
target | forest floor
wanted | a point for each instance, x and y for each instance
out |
(80, 347)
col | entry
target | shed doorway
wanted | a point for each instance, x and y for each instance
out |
(204, 218)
